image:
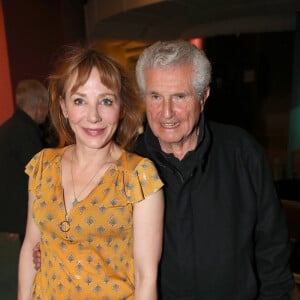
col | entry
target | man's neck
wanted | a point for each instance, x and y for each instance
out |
(180, 149)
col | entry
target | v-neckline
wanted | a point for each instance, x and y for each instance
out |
(72, 207)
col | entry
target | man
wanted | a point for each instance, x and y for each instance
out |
(20, 139)
(225, 236)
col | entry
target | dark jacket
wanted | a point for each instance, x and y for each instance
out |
(20, 139)
(225, 235)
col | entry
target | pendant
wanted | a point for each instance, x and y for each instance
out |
(64, 226)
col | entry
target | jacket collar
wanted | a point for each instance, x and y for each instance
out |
(21, 115)
(26, 118)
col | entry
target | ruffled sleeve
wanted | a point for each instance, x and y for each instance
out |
(142, 182)
(34, 170)
(42, 167)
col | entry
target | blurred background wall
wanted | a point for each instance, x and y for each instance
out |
(251, 46)
(254, 47)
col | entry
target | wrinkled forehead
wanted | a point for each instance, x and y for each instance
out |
(169, 75)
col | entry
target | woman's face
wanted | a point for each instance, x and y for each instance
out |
(93, 111)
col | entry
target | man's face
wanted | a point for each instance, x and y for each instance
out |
(41, 112)
(173, 108)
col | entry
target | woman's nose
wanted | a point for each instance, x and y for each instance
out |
(93, 114)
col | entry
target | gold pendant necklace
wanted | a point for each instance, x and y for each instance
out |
(66, 224)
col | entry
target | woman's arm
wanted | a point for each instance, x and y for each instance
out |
(148, 227)
(26, 266)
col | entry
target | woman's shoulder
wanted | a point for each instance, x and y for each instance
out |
(50, 154)
(45, 158)
(140, 176)
(132, 161)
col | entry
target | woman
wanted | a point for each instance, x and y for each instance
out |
(96, 208)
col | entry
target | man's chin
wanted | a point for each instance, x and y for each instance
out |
(169, 140)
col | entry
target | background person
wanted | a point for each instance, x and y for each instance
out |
(225, 235)
(96, 208)
(20, 139)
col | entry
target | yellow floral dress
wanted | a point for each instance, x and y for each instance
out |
(94, 259)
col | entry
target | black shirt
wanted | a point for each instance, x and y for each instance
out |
(20, 139)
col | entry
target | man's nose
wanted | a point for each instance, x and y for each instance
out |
(167, 108)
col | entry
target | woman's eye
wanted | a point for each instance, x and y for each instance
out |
(78, 101)
(106, 101)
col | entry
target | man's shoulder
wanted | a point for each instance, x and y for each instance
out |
(231, 136)
(228, 131)
(10, 131)
(15, 124)
(6, 125)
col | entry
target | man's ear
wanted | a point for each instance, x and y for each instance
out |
(204, 98)
(205, 95)
(62, 103)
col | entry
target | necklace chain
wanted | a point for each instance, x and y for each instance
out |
(76, 198)
(65, 225)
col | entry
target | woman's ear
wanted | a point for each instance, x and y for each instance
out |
(62, 103)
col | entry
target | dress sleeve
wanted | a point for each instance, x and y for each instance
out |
(34, 170)
(142, 182)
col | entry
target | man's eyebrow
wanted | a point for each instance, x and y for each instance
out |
(179, 94)
(152, 92)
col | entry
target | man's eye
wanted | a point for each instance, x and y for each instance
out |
(155, 97)
(179, 97)
(106, 101)
(78, 101)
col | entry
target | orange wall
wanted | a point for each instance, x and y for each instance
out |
(6, 97)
